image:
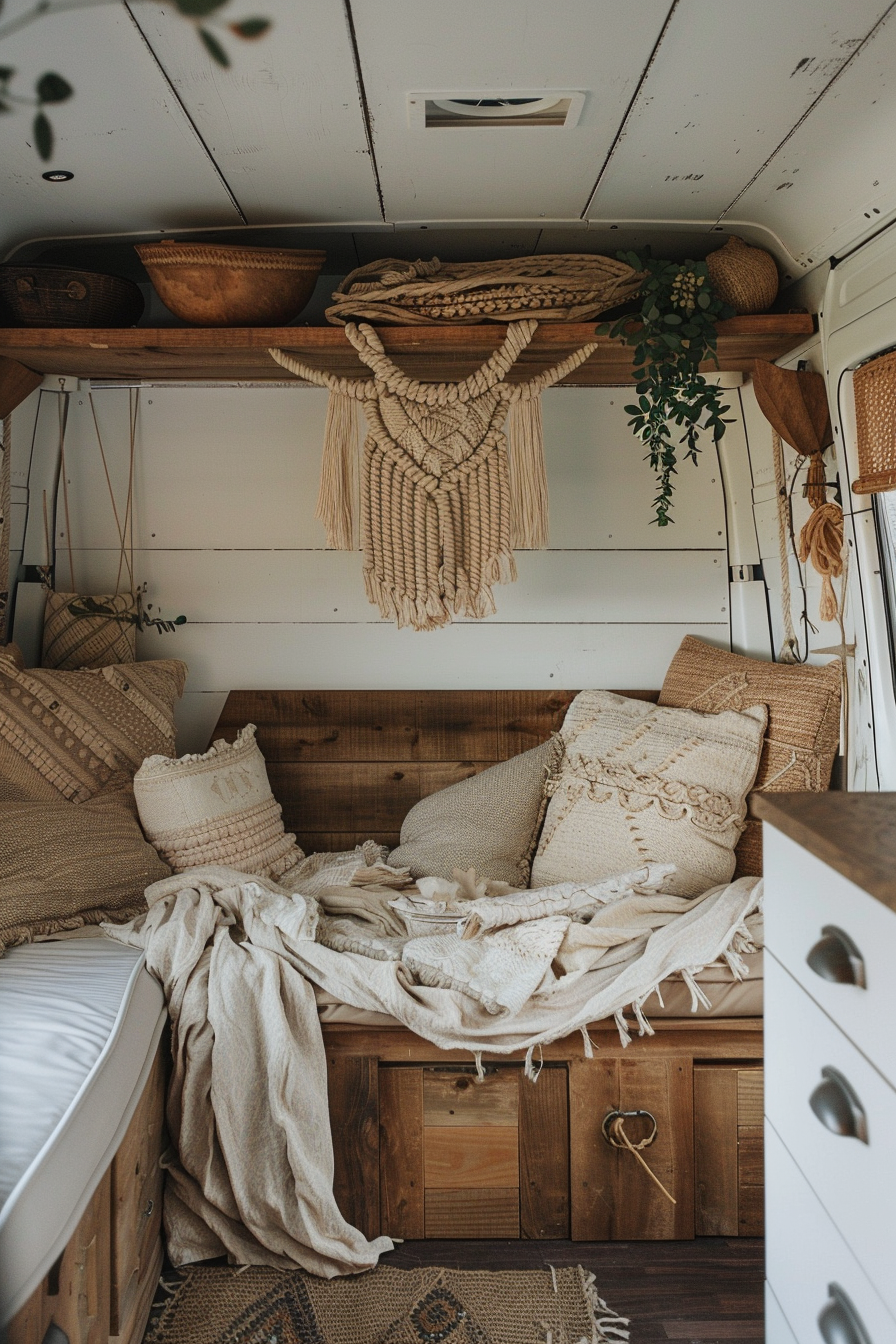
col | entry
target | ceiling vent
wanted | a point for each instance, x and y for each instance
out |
(494, 109)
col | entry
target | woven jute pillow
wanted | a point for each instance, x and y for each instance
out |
(67, 864)
(77, 734)
(641, 784)
(489, 822)
(803, 719)
(89, 631)
(216, 808)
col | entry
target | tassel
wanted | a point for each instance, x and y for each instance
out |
(528, 479)
(335, 502)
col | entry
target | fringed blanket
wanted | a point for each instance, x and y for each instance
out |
(238, 958)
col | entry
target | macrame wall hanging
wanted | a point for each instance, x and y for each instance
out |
(445, 497)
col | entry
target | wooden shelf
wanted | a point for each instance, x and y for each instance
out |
(433, 354)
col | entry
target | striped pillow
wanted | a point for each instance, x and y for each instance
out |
(77, 734)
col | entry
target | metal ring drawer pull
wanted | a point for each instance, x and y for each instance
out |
(835, 957)
(838, 1320)
(838, 1108)
(610, 1119)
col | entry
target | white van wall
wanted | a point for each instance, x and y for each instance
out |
(226, 486)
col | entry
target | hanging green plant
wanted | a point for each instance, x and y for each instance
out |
(674, 333)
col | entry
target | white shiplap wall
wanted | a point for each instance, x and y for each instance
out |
(226, 486)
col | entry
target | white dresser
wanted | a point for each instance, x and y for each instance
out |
(830, 1067)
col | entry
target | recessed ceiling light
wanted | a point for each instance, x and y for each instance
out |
(57, 175)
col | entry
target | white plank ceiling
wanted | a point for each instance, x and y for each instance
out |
(699, 116)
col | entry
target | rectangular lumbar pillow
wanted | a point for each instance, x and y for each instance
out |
(216, 808)
(803, 718)
(77, 734)
(64, 864)
(643, 784)
(489, 822)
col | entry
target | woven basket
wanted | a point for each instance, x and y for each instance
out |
(744, 276)
(89, 631)
(57, 296)
(874, 385)
(564, 288)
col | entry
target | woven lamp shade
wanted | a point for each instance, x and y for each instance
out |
(874, 385)
(744, 276)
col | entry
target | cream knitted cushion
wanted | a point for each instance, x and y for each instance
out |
(215, 808)
(644, 784)
(489, 822)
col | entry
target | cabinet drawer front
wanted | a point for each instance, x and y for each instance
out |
(855, 1181)
(805, 1254)
(804, 896)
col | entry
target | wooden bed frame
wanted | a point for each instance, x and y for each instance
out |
(420, 1151)
(101, 1288)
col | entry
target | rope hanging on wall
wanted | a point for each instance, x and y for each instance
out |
(796, 405)
(442, 502)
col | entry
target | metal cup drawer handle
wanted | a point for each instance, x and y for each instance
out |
(837, 1107)
(838, 1320)
(835, 957)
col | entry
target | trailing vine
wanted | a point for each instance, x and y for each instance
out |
(91, 606)
(672, 335)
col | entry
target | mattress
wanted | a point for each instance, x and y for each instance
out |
(728, 998)
(80, 1023)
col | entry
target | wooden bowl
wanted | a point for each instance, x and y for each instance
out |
(60, 296)
(212, 286)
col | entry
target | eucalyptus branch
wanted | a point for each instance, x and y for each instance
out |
(672, 336)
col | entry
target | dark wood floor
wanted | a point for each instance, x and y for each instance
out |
(705, 1290)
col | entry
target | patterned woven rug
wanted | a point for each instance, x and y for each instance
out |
(386, 1306)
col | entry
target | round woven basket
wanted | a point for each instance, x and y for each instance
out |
(212, 286)
(743, 276)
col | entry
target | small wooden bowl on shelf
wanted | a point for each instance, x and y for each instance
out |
(208, 285)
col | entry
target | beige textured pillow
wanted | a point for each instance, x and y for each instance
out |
(803, 718)
(643, 784)
(489, 822)
(77, 734)
(216, 808)
(67, 864)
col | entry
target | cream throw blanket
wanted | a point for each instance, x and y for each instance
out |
(238, 959)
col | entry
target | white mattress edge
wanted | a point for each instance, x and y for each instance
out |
(19, 1280)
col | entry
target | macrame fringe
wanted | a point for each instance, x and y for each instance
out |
(528, 478)
(336, 500)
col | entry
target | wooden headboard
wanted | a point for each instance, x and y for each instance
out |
(348, 766)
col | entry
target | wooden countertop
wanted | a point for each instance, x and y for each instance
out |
(853, 832)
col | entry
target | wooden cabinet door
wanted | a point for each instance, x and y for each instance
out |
(613, 1198)
(463, 1158)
